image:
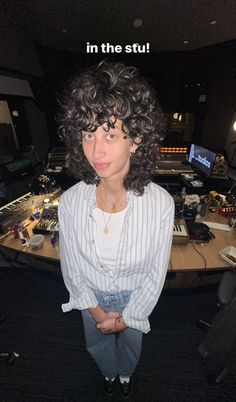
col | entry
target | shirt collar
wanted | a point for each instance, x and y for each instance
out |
(91, 192)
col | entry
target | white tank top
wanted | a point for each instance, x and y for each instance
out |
(108, 243)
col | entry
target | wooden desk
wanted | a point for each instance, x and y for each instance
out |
(184, 258)
(46, 252)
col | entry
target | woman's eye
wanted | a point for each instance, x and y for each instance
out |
(111, 136)
(87, 136)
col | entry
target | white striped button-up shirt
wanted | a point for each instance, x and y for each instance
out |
(142, 256)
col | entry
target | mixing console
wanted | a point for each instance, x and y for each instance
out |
(48, 221)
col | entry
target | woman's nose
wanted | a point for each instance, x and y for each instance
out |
(98, 148)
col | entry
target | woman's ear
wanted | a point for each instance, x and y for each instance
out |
(135, 144)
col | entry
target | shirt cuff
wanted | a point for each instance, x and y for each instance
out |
(86, 301)
(140, 325)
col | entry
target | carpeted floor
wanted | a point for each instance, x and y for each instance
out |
(54, 365)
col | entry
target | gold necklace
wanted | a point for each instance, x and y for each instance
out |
(113, 210)
(106, 229)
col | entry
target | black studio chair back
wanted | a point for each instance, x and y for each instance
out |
(227, 288)
(219, 343)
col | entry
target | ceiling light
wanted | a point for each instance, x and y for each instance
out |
(137, 23)
(234, 126)
(213, 22)
(186, 42)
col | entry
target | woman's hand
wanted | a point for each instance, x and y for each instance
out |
(113, 314)
(112, 325)
(108, 322)
(108, 326)
(100, 315)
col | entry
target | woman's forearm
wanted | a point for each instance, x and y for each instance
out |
(98, 314)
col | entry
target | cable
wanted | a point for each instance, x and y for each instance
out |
(205, 262)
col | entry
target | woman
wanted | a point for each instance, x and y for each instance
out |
(115, 224)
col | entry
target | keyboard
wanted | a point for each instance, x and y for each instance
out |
(172, 168)
(180, 233)
(15, 211)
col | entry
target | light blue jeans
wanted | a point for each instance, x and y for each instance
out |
(115, 354)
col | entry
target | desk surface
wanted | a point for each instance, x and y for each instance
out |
(47, 251)
(188, 257)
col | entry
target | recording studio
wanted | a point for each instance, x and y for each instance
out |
(185, 169)
(197, 178)
(195, 79)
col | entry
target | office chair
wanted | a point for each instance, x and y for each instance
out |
(220, 341)
(226, 293)
(227, 288)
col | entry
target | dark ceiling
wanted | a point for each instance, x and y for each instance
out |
(166, 24)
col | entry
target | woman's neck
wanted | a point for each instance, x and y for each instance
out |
(111, 197)
(111, 188)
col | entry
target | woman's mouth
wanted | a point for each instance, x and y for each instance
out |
(101, 165)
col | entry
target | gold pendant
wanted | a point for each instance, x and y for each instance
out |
(106, 230)
(113, 210)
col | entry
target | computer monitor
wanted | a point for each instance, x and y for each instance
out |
(201, 159)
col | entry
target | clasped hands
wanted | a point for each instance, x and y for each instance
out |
(108, 322)
(112, 323)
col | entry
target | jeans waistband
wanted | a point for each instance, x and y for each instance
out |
(109, 300)
(112, 293)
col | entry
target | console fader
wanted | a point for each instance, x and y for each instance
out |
(48, 221)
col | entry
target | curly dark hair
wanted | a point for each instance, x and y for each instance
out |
(97, 96)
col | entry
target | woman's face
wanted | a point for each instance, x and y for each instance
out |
(108, 152)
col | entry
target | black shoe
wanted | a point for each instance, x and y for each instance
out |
(109, 386)
(126, 388)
